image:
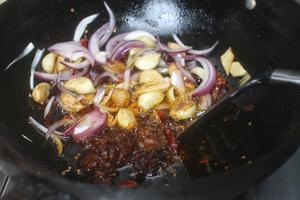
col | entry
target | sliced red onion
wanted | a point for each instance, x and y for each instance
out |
(177, 81)
(204, 51)
(90, 124)
(39, 127)
(127, 79)
(24, 53)
(66, 75)
(49, 106)
(100, 37)
(111, 44)
(134, 35)
(99, 95)
(80, 65)
(82, 26)
(112, 24)
(72, 50)
(104, 75)
(210, 77)
(184, 72)
(110, 75)
(124, 47)
(94, 44)
(164, 47)
(83, 72)
(191, 64)
(196, 52)
(57, 125)
(189, 57)
(93, 74)
(178, 41)
(182, 61)
(37, 57)
(87, 55)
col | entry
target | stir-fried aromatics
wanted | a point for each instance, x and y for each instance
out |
(125, 104)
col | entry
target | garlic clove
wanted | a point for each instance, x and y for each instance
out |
(183, 109)
(148, 61)
(161, 86)
(70, 103)
(80, 85)
(149, 42)
(48, 62)
(149, 100)
(120, 98)
(150, 76)
(126, 118)
(227, 59)
(41, 92)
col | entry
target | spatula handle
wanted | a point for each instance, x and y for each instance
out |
(285, 76)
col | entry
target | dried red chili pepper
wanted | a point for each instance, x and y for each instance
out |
(249, 108)
(128, 184)
(171, 137)
(162, 115)
(84, 42)
(220, 80)
(203, 161)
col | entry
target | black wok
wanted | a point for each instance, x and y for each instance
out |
(263, 39)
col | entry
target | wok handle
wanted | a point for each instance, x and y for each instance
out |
(286, 77)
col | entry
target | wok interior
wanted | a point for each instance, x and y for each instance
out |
(261, 39)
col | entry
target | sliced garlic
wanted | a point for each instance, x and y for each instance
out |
(161, 87)
(134, 79)
(48, 62)
(227, 59)
(148, 61)
(133, 54)
(111, 120)
(120, 98)
(80, 85)
(70, 103)
(205, 102)
(162, 106)
(198, 71)
(183, 109)
(41, 93)
(150, 76)
(149, 42)
(171, 95)
(172, 67)
(189, 86)
(135, 107)
(177, 81)
(126, 118)
(149, 100)
(59, 67)
(173, 45)
(115, 67)
(237, 70)
(245, 79)
(134, 35)
(87, 99)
